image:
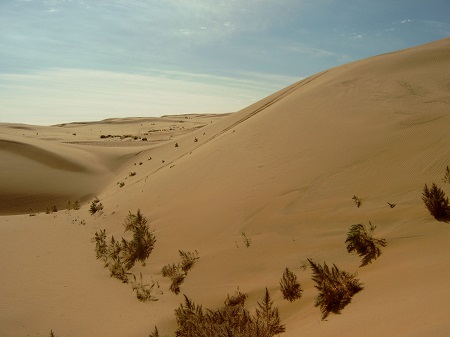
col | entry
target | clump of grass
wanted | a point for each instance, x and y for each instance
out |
(361, 241)
(436, 202)
(336, 288)
(290, 287)
(145, 291)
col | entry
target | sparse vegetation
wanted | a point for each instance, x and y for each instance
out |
(357, 201)
(52, 334)
(446, 178)
(178, 272)
(436, 202)
(361, 241)
(96, 206)
(121, 184)
(101, 248)
(132, 174)
(290, 287)
(144, 291)
(246, 239)
(176, 144)
(176, 275)
(143, 242)
(121, 256)
(231, 320)
(336, 288)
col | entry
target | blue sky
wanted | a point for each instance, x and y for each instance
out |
(80, 60)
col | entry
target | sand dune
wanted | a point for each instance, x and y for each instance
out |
(283, 171)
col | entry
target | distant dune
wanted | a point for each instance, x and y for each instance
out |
(282, 171)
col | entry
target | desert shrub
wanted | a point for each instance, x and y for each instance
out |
(231, 320)
(246, 239)
(357, 201)
(290, 287)
(96, 206)
(176, 144)
(188, 260)
(446, 178)
(121, 184)
(178, 272)
(101, 248)
(52, 334)
(120, 256)
(176, 275)
(143, 242)
(132, 174)
(144, 291)
(336, 288)
(436, 202)
(361, 241)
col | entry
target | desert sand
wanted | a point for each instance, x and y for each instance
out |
(283, 171)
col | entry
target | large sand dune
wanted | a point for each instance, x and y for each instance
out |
(283, 171)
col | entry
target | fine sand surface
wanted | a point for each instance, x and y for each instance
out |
(283, 170)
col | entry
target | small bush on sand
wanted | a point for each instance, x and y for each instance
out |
(176, 275)
(101, 248)
(290, 287)
(188, 260)
(436, 202)
(231, 320)
(140, 248)
(446, 178)
(96, 206)
(178, 272)
(336, 288)
(246, 239)
(361, 241)
(357, 201)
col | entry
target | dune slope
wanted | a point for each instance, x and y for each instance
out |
(284, 172)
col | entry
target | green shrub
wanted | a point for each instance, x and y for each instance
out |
(362, 242)
(336, 288)
(290, 287)
(436, 202)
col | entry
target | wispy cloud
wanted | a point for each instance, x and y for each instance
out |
(62, 95)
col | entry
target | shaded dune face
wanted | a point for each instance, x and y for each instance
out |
(36, 175)
(41, 156)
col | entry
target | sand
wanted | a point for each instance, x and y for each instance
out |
(283, 170)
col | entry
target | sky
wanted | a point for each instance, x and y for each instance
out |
(84, 60)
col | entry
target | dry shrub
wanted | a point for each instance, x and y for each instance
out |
(336, 288)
